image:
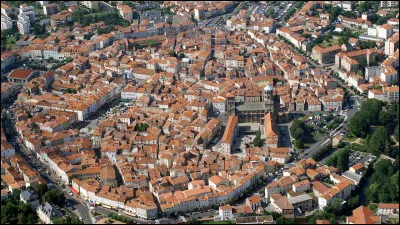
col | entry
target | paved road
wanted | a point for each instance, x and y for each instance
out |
(106, 211)
(81, 207)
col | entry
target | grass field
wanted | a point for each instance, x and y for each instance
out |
(329, 43)
(349, 138)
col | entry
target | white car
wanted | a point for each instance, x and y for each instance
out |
(91, 207)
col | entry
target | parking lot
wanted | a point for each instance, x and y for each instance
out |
(119, 107)
(361, 157)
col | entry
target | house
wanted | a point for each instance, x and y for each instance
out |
(225, 212)
(254, 202)
(47, 213)
(283, 206)
(363, 215)
(302, 202)
(7, 149)
(21, 76)
(30, 197)
(388, 209)
(357, 168)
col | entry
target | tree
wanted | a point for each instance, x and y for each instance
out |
(318, 155)
(354, 202)
(151, 43)
(378, 141)
(343, 159)
(181, 55)
(359, 125)
(298, 134)
(332, 161)
(335, 207)
(68, 219)
(298, 144)
(54, 196)
(329, 117)
(193, 221)
(257, 139)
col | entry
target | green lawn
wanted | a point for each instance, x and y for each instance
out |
(358, 147)
(329, 43)
(394, 221)
(349, 138)
(10, 42)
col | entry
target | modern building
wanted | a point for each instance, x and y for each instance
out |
(6, 22)
(23, 23)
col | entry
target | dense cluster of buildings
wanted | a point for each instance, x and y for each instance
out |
(160, 146)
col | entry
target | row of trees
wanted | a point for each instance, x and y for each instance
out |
(322, 152)
(340, 159)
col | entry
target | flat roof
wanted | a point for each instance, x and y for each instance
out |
(251, 106)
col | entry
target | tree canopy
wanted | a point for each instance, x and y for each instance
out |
(384, 185)
(54, 196)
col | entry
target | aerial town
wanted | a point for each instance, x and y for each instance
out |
(199, 112)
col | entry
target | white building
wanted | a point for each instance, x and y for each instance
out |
(6, 22)
(388, 209)
(389, 4)
(385, 31)
(29, 11)
(372, 31)
(91, 4)
(225, 212)
(23, 23)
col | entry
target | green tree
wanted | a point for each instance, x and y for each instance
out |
(55, 196)
(354, 202)
(332, 161)
(298, 134)
(378, 141)
(335, 207)
(343, 159)
(257, 139)
(298, 144)
(359, 124)
(151, 43)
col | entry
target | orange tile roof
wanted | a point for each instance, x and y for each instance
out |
(230, 127)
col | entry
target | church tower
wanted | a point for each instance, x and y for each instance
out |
(268, 98)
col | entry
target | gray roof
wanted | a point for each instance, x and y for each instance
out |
(300, 198)
(51, 211)
(28, 195)
(352, 176)
(251, 106)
